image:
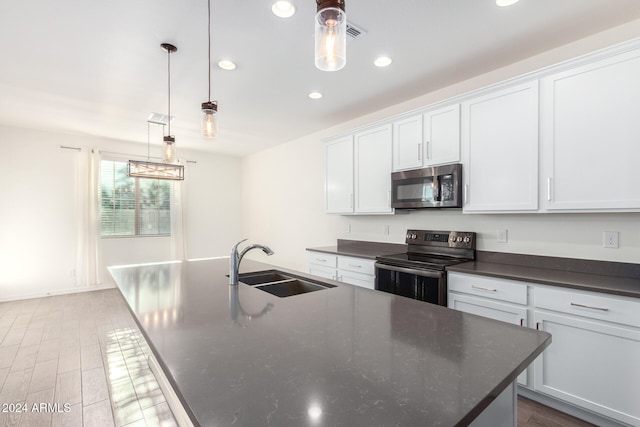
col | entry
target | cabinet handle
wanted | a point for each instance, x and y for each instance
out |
(484, 289)
(521, 322)
(355, 265)
(549, 189)
(426, 151)
(419, 151)
(321, 260)
(351, 200)
(465, 196)
(538, 326)
(574, 304)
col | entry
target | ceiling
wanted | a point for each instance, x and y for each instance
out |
(96, 68)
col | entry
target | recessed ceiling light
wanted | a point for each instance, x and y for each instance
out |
(383, 61)
(227, 65)
(503, 3)
(315, 95)
(283, 9)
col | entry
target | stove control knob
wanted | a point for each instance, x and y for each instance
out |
(467, 239)
(408, 236)
(413, 236)
(459, 239)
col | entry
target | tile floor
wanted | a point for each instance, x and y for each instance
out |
(76, 360)
(81, 360)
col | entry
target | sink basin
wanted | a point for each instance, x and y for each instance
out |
(261, 277)
(281, 284)
(291, 287)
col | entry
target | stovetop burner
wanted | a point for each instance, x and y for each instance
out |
(434, 250)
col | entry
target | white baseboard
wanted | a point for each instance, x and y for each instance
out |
(57, 292)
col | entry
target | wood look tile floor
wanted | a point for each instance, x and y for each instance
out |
(80, 360)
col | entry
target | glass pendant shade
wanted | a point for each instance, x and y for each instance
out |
(209, 119)
(331, 35)
(169, 151)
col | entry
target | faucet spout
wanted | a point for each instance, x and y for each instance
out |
(235, 258)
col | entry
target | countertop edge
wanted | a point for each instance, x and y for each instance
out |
(628, 287)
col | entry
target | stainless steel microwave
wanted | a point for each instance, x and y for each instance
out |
(432, 187)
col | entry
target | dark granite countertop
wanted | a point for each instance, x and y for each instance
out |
(341, 356)
(589, 275)
(361, 249)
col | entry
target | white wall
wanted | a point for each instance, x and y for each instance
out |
(37, 215)
(283, 191)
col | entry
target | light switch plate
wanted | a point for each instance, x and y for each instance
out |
(502, 236)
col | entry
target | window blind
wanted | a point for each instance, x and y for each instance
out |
(132, 206)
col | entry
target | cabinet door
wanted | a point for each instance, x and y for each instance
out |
(493, 310)
(339, 175)
(373, 149)
(407, 143)
(590, 131)
(591, 364)
(442, 136)
(500, 150)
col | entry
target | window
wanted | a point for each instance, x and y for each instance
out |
(132, 206)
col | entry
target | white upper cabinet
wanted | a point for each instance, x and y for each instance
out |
(590, 136)
(407, 143)
(372, 168)
(442, 136)
(339, 175)
(428, 139)
(500, 150)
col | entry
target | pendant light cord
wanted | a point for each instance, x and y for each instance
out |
(169, 86)
(148, 141)
(209, 39)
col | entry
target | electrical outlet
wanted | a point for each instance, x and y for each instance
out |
(348, 230)
(502, 236)
(610, 239)
(386, 230)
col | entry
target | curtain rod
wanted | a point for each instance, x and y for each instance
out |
(71, 148)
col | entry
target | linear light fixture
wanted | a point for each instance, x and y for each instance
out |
(147, 169)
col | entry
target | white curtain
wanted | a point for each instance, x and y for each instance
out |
(88, 269)
(178, 240)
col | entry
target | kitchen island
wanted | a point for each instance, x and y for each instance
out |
(338, 356)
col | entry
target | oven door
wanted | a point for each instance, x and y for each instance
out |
(423, 285)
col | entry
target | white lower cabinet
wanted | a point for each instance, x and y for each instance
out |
(352, 270)
(492, 298)
(591, 363)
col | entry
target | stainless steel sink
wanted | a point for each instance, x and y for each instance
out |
(281, 284)
(261, 277)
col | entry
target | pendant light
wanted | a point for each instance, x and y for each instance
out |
(209, 109)
(169, 140)
(331, 35)
(168, 169)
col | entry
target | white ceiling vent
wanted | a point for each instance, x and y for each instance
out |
(160, 119)
(353, 32)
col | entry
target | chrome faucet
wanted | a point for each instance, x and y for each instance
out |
(235, 258)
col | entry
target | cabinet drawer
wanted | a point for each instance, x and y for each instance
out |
(359, 265)
(589, 304)
(488, 287)
(357, 279)
(321, 258)
(322, 271)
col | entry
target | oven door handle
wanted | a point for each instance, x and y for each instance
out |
(418, 272)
